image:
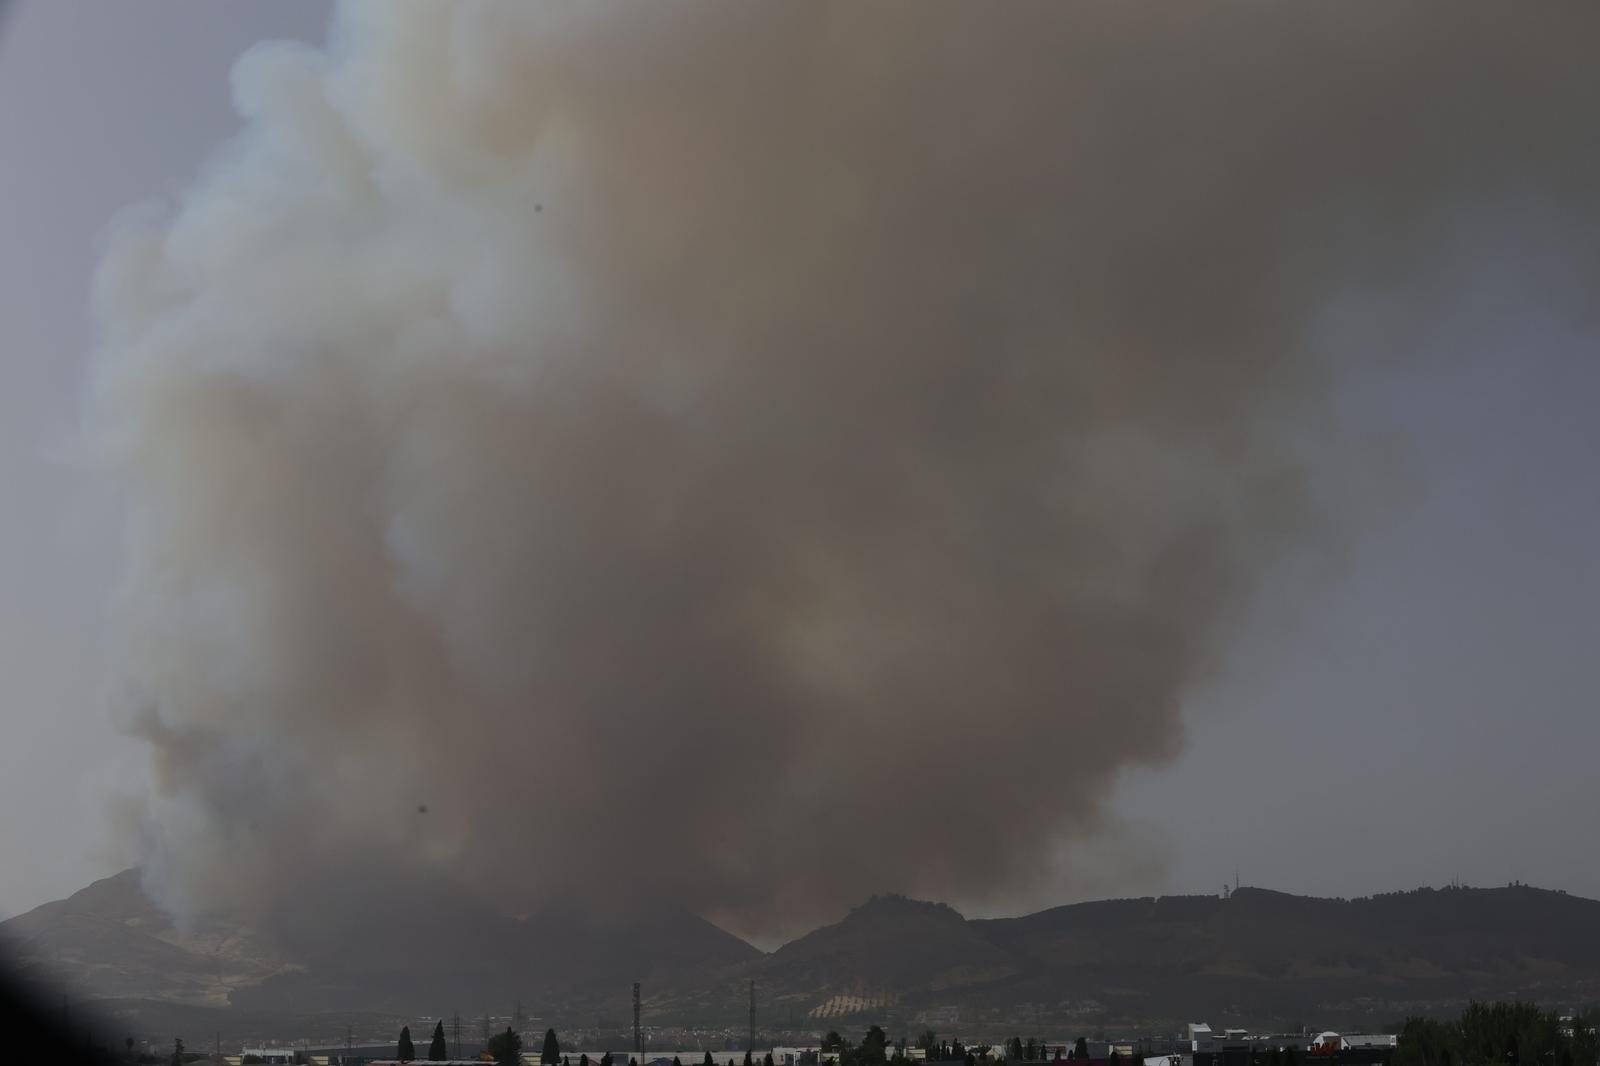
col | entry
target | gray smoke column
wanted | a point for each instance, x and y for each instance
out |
(756, 455)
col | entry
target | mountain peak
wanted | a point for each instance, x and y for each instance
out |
(893, 904)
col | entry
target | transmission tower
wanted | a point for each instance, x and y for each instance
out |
(638, 1035)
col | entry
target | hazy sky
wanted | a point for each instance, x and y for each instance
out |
(1423, 711)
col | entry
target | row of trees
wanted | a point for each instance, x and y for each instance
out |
(506, 1049)
(875, 1048)
(438, 1049)
(1501, 1034)
(1014, 1050)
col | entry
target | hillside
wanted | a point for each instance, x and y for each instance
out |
(408, 956)
(1515, 933)
(1259, 958)
(890, 949)
(109, 941)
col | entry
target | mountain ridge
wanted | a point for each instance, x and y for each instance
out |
(1261, 956)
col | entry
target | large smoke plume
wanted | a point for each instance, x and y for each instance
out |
(755, 455)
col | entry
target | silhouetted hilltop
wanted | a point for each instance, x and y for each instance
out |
(1259, 957)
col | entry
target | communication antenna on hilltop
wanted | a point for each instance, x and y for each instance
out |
(638, 1037)
(752, 1044)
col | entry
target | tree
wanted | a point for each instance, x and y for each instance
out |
(874, 1046)
(438, 1050)
(583, 1059)
(177, 1051)
(675, 1061)
(1014, 1049)
(768, 1060)
(833, 1041)
(1115, 1059)
(605, 1060)
(1058, 1054)
(928, 1042)
(1080, 1050)
(1030, 1051)
(708, 1061)
(551, 1054)
(748, 1061)
(506, 1047)
(405, 1052)
(1585, 1039)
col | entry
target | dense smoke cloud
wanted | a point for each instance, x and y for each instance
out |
(754, 455)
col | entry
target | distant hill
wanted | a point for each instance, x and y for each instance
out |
(109, 941)
(1257, 958)
(885, 951)
(406, 957)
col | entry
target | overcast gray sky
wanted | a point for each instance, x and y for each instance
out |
(1428, 713)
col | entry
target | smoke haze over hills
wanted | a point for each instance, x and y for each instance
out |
(1258, 958)
(890, 410)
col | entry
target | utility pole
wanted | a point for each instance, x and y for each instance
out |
(638, 1038)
